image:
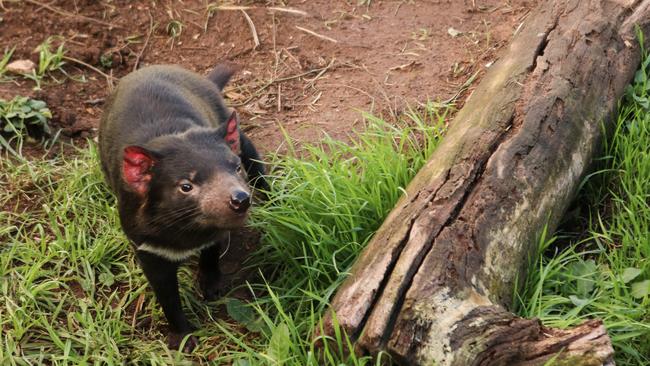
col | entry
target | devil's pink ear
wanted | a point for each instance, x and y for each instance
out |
(232, 133)
(136, 168)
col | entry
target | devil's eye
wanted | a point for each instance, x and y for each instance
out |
(186, 187)
(239, 168)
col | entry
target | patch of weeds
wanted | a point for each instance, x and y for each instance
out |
(6, 57)
(50, 59)
(174, 30)
(106, 60)
(606, 272)
(421, 34)
(22, 118)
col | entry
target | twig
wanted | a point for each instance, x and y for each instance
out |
(286, 78)
(279, 97)
(256, 40)
(68, 14)
(372, 99)
(288, 10)
(212, 8)
(288, 53)
(109, 79)
(273, 37)
(398, 6)
(462, 89)
(146, 42)
(318, 76)
(316, 34)
(138, 307)
(227, 248)
(404, 66)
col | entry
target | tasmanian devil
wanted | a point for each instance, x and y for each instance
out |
(174, 156)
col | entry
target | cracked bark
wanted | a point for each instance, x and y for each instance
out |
(435, 282)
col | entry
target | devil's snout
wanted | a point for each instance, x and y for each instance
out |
(240, 201)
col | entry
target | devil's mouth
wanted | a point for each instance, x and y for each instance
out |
(238, 210)
(232, 220)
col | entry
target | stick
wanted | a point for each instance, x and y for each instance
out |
(272, 8)
(146, 42)
(109, 79)
(317, 35)
(256, 40)
(286, 78)
(288, 10)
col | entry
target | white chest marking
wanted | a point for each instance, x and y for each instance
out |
(173, 255)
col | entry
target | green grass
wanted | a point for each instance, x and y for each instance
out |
(4, 61)
(51, 59)
(70, 289)
(605, 273)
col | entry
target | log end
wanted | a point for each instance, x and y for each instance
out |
(492, 336)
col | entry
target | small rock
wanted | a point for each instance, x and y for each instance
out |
(21, 67)
(454, 32)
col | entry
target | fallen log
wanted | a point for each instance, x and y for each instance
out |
(434, 284)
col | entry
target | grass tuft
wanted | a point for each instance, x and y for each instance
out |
(51, 59)
(4, 61)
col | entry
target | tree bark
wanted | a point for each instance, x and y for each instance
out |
(434, 284)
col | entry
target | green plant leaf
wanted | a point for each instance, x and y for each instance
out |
(239, 311)
(257, 325)
(279, 345)
(37, 104)
(578, 301)
(241, 362)
(107, 279)
(641, 289)
(585, 274)
(639, 76)
(631, 273)
(242, 313)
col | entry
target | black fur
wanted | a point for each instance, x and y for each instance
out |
(178, 117)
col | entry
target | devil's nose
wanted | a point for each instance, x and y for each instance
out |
(240, 201)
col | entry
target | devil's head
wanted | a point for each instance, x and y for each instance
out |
(193, 180)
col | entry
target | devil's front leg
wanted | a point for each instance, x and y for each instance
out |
(162, 276)
(209, 272)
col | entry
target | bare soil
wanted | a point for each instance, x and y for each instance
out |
(377, 57)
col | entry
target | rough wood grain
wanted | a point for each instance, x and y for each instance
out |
(434, 283)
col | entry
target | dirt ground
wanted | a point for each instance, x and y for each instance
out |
(318, 63)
